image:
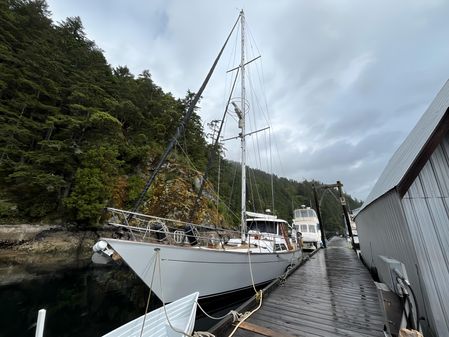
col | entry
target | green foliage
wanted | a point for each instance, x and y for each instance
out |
(87, 198)
(70, 124)
(77, 135)
(7, 210)
(288, 195)
(93, 183)
(135, 187)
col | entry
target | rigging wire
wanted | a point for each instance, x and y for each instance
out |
(149, 296)
(263, 108)
(254, 181)
(196, 171)
(158, 261)
(260, 73)
(218, 185)
(232, 186)
(186, 155)
(251, 189)
(254, 122)
(180, 129)
(272, 178)
(260, 76)
(214, 148)
(231, 62)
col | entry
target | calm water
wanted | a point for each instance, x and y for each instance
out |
(82, 301)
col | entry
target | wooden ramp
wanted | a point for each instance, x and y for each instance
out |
(331, 295)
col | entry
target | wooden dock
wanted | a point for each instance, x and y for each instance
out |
(331, 295)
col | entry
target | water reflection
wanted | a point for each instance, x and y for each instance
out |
(87, 301)
(83, 300)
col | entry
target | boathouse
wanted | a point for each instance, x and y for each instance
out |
(406, 215)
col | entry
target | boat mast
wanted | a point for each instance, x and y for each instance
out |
(181, 128)
(242, 126)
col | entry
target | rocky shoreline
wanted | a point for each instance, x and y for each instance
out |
(47, 239)
(27, 250)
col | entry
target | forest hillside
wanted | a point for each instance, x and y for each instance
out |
(77, 135)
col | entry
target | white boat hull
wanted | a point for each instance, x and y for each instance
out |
(184, 270)
(181, 315)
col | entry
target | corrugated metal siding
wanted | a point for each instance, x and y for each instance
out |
(403, 158)
(426, 207)
(383, 230)
(415, 231)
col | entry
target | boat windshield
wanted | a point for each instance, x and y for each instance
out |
(304, 213)
(262, 226)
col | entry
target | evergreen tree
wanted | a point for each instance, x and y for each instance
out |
(77, 135)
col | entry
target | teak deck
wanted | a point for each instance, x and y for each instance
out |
(331, 295)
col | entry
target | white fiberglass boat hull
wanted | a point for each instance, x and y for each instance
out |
(181, 314)
(184, 270)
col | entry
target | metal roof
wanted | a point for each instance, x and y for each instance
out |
(406, 155)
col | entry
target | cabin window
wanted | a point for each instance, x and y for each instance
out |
(303, 228)
(262, 226)
(312, 229)
(280, 246)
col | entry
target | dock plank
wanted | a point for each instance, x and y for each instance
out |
(260, 330)
(331, 295)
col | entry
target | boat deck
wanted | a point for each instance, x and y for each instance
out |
(333, 294)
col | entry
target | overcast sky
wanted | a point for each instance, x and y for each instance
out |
(345, 81)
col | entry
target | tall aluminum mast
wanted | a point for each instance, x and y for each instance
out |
(242, 126)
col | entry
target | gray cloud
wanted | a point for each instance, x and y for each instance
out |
(345, 81)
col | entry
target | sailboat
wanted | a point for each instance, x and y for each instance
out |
(176, 258)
